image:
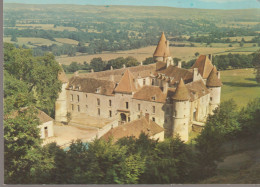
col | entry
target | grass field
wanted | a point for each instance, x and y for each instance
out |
(240, 85)
(67, 41)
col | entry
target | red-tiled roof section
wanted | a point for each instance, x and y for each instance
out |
(162, 50)
(213, 80)
(134, 128)
(182, 92)
(204, 66)
(197, 89)
(126, 84)
(90, 85)
(160, 66)
(150, 93)
(177, 74)
(62, 77)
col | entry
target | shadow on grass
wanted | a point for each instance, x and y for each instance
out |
(241, 84)
(250, 79)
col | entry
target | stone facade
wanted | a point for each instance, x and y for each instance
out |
(172, 97)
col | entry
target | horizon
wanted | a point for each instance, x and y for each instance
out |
(194, 4)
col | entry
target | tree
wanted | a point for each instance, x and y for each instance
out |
(97, 64)
(256, 63)
(23, 158)
(14, 39)
(197, 54)
(38, 73)
(148, 60)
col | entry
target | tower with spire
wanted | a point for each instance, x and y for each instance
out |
(181, 111)
(162, 51)
(214, 85)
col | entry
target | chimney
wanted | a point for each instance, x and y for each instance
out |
(111, 67)
(147, 116)
(195, 74)
(210, 57)
(124, 66)
(92, 70)
(112, 77)
(218, 74)
(141, 63)
(167, 45)
(165, 88)
(179, 64)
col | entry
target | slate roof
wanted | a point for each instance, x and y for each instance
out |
(147, 93)
(162, 50)
(134, 128)
(204, 66)
(213, 80)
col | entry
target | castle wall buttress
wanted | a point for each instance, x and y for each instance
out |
(214, 102)
(61, 105)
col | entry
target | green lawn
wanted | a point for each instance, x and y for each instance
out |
(240, 85)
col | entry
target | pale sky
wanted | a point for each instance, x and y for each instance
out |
(205, 4)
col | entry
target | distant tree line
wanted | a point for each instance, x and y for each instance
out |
(97, 64)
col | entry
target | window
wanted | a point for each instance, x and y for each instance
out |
(86, 96)
(110, 103)
(153, 98)
(110, 113)
(72, 107)
(143, 81)
(45, 127)
(128, 119)
(86, 107)
(153, 119)
(153, 109)
(98, 90)
(98, 102)
(210, 98)
(99, 111)
(78, 108)
(138, 116)
(152, 81)
(139, 107)
(78, 98)
(71, 97)
(126, 105)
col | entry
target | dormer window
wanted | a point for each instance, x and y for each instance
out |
(153, 98)
(70, 87)
(77, 87)
(98, 90)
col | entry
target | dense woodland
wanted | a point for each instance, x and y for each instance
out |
(128, 161)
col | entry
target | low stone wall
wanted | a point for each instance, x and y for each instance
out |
(106, 128)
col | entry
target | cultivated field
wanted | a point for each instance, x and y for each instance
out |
(34, 41)
(67, 41)
(184, 53)
(240, 85)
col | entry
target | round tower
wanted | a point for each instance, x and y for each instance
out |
(181, 111)
(214, 85)
(61, 102)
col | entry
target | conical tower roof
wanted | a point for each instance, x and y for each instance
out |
(62, 76)
(126, 84)
(162, 49)
(213, 80)
(204, 66)
(182, 92)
